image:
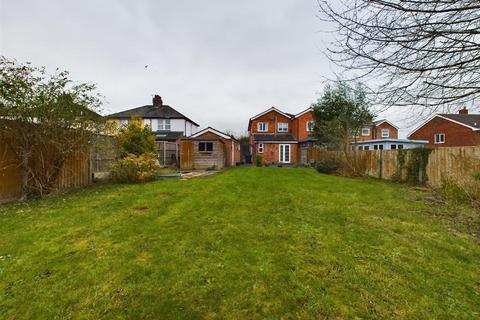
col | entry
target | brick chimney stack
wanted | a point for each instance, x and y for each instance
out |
(464, 110)
(157, 101)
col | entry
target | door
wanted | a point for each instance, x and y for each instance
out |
(186, 157)
(284, 153)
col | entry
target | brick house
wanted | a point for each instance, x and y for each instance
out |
(280, 137)
(450, 130)
(379, 129)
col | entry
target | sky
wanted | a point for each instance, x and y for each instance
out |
(219, 62)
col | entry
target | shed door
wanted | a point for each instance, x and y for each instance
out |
(186, 156)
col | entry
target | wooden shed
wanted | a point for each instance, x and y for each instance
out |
(209, 149)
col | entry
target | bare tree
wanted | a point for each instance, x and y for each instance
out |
(411, 52)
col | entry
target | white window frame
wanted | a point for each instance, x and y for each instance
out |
(308, 126)
(438, 135)
(385, 133)
(365, 134)
(282, 127)
(281, 155)
(260, 148)
(123, 123)
(164, 124)
(264, 124)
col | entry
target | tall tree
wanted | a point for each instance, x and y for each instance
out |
(415, 53)
(45, 117)
(340, 113)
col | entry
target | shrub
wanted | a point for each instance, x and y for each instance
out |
(136, 140)
(461, 192)
(133, 168)
(258, 160)
(327, 165)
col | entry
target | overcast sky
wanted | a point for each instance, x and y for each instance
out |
(217, 62)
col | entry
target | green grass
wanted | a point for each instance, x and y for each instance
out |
(250, 243)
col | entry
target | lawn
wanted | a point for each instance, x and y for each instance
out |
(249, 243)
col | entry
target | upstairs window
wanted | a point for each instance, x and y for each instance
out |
(260, 147)
(365, 132)
(385, 133)
(123, 123)
(262, 127)
(282, 127)
(439, 137)
(205, 146)
(310, 125)
(164, 124)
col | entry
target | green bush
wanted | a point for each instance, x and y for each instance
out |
(258, 160)
(327, 165)
(136, 140)
(133, 168)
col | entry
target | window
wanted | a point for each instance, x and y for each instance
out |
(366, 148)
(205, 146)
(380, 147)
(164, 124)
(262, 127)
(282, 127)
(393, 147)
(439, 137)
(375, 147)
(284, 153)
(365, 132)
(400, 146)
(123, 123)
(260, 147)
(310, 125)
(360, 148)
(385, 133)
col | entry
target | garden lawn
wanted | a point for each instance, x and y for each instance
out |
(249, 243)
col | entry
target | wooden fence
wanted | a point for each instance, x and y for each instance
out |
(77, 171)
(458, 163)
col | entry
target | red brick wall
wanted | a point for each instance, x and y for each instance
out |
(301, 125)
(456, 135)
(272, 118)
(376, 132)
(271, 152)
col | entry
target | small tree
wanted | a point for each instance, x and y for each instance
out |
(136, 140)
(45, 119)
(340, 114)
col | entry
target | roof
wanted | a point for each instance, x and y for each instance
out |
(274, 137)
(392, 140)
(310, 109)
(150, 111)
(376, 123)
(308, 139)
(214, 131)
(471, 121)
(288, 115)
(163, 135)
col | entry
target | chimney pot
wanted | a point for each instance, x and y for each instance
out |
(157, 101)
(464, 110)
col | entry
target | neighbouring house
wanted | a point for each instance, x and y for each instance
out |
(209, 149)
(168, 125)
(281, 137)
(383, 135)
(450, 130)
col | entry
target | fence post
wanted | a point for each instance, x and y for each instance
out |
(380, 165)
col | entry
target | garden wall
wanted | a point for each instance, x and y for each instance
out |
(457, 163)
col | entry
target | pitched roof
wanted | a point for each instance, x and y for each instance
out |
(379, 122)
(150, 111)
(274, 137)
(471, 120)
(309, 109)
(288, 115)
(214, 131)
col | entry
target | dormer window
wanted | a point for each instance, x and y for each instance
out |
(262, 127)
(282, 127)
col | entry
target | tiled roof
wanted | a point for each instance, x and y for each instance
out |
(150, 111)
(472, 120)
(274, 137)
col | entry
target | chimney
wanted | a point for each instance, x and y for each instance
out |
(157, 101)
(464, 110)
